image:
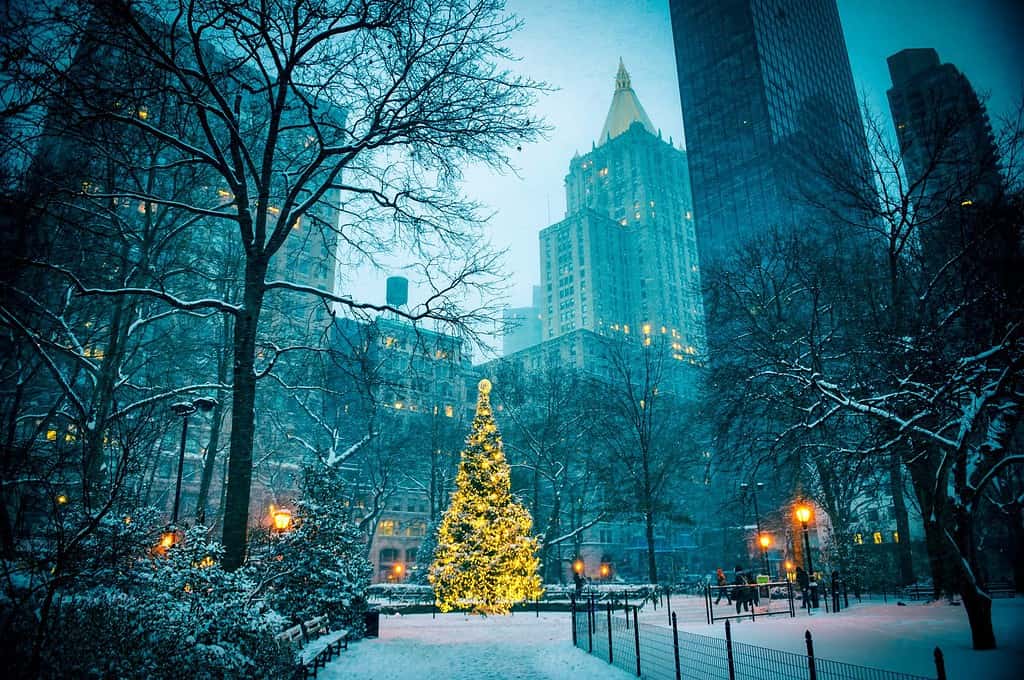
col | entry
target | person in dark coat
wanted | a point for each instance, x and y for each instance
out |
(740, 593)
(804, 581)
(578, 582)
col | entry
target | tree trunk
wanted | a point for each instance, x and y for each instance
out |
(904, 556)
(652, 563)
(209, 462)
(243, 414)
(935, 515)
(979, 614)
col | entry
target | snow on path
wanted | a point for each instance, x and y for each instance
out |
(456, 646)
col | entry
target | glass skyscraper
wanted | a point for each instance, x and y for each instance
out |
(768, 100)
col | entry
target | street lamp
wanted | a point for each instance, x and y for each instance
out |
(803, 514)
(765, 540)
(606, 570)
(757, 517)
(577, 566)
(398, 570)
(282, 519)
(185, 409)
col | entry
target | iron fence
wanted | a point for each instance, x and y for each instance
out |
(652, 651)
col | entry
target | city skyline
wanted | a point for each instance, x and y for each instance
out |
(978, 39)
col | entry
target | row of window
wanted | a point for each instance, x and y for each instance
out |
(391, 527)
(876, 537)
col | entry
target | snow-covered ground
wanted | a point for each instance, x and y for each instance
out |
(456, 646)
(522, 646)
(890, 637)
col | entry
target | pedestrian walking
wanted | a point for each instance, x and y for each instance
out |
(722, 590)
(740, 594)
(804, 581)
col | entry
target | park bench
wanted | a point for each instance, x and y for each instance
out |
(313, 644)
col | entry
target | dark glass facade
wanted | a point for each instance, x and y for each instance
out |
(768, 99)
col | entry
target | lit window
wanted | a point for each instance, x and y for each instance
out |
(143, 113)
(387, 527)
(449, 410)
(389, 341)
(895, 537)
(51, 435)
(966, 203)
(647, 342)
(877, 537)
(603, 172)
(399, 405)
(647, 329)
(858, 539)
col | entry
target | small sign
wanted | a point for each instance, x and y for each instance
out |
(762, 579)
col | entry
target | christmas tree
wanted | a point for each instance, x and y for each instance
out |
(485, 560)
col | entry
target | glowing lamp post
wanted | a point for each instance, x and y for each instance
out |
(398, 570)
(606, 571)
(803, 514)
(282, 519)
(765, 540)
(577, 566)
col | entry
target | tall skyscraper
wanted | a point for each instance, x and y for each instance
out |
(768, 99)
(943, 129)
(624, 259)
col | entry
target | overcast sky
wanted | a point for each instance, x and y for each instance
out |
(575, 46)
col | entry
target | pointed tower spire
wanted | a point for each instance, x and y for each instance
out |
(622, 78)
(625, 109)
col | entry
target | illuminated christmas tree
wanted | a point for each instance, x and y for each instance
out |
(485, 560)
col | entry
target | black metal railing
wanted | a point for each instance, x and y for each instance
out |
(749, 600)
(655, 651)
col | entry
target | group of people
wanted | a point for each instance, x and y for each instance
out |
(745, 596)
(741, 593)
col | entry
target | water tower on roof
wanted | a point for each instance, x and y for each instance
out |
(397, 292)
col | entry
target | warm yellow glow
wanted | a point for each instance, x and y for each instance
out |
(143, 113)
(966, 203)
(789, 566)
(206, 562)
(877, 537)
(647, 329)
(51, 435)
(803, 513)
(449, 410)
(166, 539)
(282, 518)
(858, 539)
(398, 569)
(605, 570)
(577, 566)
(399, 405)
(895, 537)
(128, 519)
(62, 499)
(765, 540)
(486, 558)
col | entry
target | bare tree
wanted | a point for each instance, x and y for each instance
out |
(349, 117)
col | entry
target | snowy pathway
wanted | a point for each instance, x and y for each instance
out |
(456, 646)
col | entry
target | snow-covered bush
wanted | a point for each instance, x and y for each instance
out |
(321, 564)
(165, 615)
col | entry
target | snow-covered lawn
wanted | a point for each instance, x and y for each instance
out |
(522, 646)
(456, 646)
(888, 636)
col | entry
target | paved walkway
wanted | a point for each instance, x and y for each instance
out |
(456, 646)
